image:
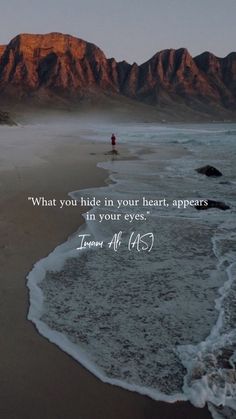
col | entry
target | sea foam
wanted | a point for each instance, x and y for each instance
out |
(161, 323)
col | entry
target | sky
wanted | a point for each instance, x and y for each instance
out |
(133, 30)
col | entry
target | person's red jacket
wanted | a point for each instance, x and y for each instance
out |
(113, 139)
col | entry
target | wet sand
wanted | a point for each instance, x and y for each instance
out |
(37, 379)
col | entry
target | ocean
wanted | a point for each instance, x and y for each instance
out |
(156, 311)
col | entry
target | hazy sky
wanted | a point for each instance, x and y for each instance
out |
(128, 29)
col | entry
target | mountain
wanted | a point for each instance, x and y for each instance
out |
(55, 67)
(2, 49)
(53, 62)
(221, 74)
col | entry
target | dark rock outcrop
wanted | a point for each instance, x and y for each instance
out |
(213, 204)
(5, 119)
(209, 171)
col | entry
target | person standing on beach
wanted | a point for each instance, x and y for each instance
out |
(113, 141)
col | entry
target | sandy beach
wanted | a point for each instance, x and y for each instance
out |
(37, 379)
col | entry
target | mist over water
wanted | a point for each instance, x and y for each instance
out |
(159, 322)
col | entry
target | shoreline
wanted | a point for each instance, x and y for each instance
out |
(37, 378)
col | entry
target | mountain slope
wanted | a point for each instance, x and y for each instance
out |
(53, 66)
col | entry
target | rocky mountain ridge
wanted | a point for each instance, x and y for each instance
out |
(52, 66)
